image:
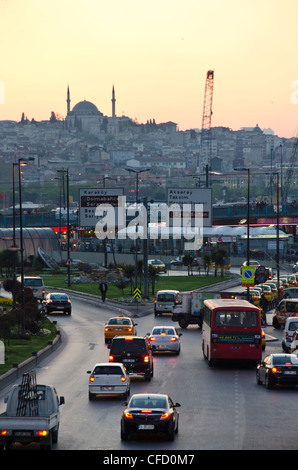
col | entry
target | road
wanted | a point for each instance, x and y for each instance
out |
(221, 407)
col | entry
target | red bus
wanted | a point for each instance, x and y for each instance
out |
(231, 330)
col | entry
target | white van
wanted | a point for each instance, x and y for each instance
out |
(36, 284)
(290, 327)
(165, 301)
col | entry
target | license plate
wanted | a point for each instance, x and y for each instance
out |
(290, 372)
(162, 346)
(59, 308)
(146, 426)
(117, 329)
(128, 360)
(22, 433)
(107, 389)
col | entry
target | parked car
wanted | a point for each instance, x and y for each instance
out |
(165, 338)
(56, 302)
(135, 353)
(290, 327)
(158, 265)
(119, 326)
(278, 369)
(150, 412)
(108, 379)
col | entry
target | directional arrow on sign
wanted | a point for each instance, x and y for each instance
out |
(137, 293)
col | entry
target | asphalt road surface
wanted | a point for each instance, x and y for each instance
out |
(222, 408)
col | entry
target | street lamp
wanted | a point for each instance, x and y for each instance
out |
(248, 217)
(137, 171)
(68, 232)
(22, 161)
(277, 232)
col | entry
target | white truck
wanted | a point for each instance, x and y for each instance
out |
(190, 304)
(32, 414)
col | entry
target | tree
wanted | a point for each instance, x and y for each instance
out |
(187, 260)
(129, 272)
(207, 261)
(218, 257)
(152, 276)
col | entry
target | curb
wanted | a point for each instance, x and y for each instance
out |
(13, 374)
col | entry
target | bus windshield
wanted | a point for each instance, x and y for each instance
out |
(244, 318)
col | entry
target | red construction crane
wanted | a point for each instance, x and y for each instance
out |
(206, 122)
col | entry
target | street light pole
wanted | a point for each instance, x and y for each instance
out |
(137, 171)
(21, 161)
(68, 228)
(248, 219)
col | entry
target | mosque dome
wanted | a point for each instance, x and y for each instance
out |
(86, 108)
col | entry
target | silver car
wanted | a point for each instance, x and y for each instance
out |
(108, 379)
(165, 338)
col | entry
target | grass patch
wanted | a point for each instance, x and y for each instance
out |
(182, 283)
(18, 350)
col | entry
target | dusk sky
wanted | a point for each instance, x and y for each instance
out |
(157, 55)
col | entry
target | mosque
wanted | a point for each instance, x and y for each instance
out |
(85, 117)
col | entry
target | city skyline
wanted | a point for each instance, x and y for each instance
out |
(157, 56)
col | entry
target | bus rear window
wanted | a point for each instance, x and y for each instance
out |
(236, 318)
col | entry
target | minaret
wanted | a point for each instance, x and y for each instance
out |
(113, 103)
(68, 100)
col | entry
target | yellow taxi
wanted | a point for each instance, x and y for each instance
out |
(273, 286)
(267, 291)
(255, 296)
(158, 265)
(119, 326)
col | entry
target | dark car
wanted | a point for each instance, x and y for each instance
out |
(57, 302)
(278, 369)
(135, 353)
(290, 293)
(150, 412)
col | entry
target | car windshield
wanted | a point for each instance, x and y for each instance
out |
(245, 318)
(165, 297)
(59, 297)
(119, 321)
(293, 326)
(163, 331)
(33, 282)
(148, 402)
(108, 370)
(285, 359)
(128, 345)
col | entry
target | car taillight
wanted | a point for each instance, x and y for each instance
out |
(123, 378)
(4, 432)
(42, 432)
(127, 414)
(276, 370)
(146, 358)
(151, 338)
(146, 411)
(91, 378)
(128, 339)
(173, 339)
(111, 358)
(165, 416)
(129, 329)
